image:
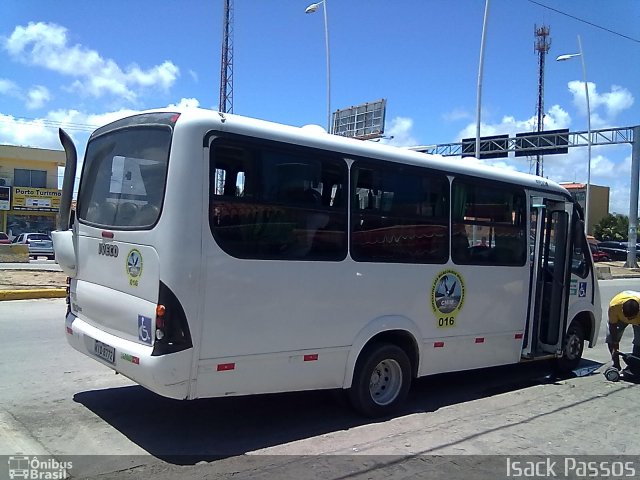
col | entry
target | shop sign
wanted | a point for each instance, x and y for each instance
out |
(36, 199)
(5, 198)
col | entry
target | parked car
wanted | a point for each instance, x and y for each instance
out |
(617, 250)
(4, 238)
(40, 244)
(598, 254)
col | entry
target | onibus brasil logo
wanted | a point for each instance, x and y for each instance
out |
(22, 466)
(447, 297)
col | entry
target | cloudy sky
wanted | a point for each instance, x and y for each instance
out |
(79, 64)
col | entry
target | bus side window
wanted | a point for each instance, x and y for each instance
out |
(491, 212)
(579, 264)
(269, 201)
(389, 221)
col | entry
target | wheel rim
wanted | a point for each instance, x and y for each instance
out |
(574, 347)
(386, 382)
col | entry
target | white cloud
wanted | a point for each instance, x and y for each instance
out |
(37, 97)
(9, 88)
(555, 118)
(400, 130)
(46, 45)
(613, 102)
(186, 103)
(27, 133)
(43, 132)
(457, 114)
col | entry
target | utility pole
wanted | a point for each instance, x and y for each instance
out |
(226, 64)
(541, 45)
(225, 104)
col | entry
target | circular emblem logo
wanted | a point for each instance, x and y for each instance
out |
(447, 297)
(134, 266)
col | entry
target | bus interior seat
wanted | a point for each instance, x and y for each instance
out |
(460, 247)
(93, 212)
(107, 214)
(148, 214)
(127, 213)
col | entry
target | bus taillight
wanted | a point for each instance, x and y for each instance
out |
(160, 323)
(172, 328)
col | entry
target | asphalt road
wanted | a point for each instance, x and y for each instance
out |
(57, 402)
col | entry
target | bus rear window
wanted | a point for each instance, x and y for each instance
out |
(123, 179)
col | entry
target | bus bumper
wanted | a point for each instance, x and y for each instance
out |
(166, 375)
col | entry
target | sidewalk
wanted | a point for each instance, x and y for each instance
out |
(611, 270)
(29, 281)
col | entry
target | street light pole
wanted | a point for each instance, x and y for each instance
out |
(480, 71)
(311, 9)
(586, 93)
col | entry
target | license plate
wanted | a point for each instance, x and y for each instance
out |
(104, 351)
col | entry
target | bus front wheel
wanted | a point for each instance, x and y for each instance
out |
(381, 380)
(572, 348)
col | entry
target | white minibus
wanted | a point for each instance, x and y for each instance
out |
(214, 255)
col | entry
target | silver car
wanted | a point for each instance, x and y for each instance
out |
(40, 244)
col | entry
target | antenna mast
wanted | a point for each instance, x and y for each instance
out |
(226, 65)
(541, 45)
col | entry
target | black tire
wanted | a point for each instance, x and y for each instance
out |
(572, 348)
(612, 374)
(381, 380)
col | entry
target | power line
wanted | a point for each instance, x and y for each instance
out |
(585, 21)
(51, 123)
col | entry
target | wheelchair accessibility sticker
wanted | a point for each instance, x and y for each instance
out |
(144, 329)
(578, 288)
(447, 297)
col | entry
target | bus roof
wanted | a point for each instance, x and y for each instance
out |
(311, 136)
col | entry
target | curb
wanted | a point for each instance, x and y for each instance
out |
(33, 294)
(603, 273)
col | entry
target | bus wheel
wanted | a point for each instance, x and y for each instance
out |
(572, 348)
(381, 380)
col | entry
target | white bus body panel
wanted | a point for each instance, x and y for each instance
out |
(284, 319)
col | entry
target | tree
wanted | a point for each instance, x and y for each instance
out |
(612, 227)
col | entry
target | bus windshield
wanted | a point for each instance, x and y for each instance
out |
(124, 178)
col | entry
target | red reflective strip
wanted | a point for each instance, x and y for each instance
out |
(107, 234)
(519, 336)
(479, 340)
(69, 330)
(438, 344)
(311, 358)
(222, 367)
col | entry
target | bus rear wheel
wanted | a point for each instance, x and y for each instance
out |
(381, 380)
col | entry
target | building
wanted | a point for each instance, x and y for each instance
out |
(598, 201)
(29, 194)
